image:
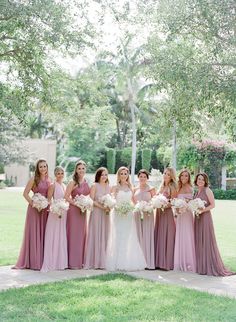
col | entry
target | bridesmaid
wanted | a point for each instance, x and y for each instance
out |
(165, 226)
(184, 255)
(76, 220)
(31, 253)
(98, 227)
(55, 250)
(145, 227)
(208, 257)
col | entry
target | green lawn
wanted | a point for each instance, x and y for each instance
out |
(12, 217)
(113, 298)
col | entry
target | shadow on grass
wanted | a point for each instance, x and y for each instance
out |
(112, 297)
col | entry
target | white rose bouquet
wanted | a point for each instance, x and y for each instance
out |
(39, 201)
(196, 205)
(180, 205)
(108, 201)
(159, 202)
(59, 207)
(123, 208)
(144, 207)
(83, 202)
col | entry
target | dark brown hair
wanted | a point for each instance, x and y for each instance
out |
(99, 172)
(143, 171)
(37, 173)
(75, 174)
(179, 178)
(205, 176)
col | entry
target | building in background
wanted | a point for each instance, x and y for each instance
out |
(19, 174)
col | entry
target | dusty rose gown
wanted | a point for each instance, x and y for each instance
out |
(76, 230)
(55, 245)
(164, 236)
(208, 257)
(98, 230)
(145, 228)
(184, 255)
(31, 253)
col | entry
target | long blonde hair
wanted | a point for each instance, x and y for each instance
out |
(75, 174)
(179, 178)
(118, 177)
(172, 185)
(37, 173)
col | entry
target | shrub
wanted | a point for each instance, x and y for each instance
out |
(111, 160)
(146, 159)
(225, 194)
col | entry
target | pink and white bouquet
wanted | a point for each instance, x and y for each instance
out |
(39, 201)
(160, 202)
(108, 201)
(123, 208)
(83, 202)
(180, 205)
(144, 207)
(196, 205)
(59, 207)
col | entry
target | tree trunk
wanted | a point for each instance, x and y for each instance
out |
(174, 145)
(223, 177)
(134, 132)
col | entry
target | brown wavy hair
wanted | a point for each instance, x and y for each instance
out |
(75, 174)
(98, 174)
(206, 179)
(172, 184)
(118, 176)
(143, 171)
(179, 178)
(37, 173)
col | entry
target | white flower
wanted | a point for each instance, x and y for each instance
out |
(108, 201)
(196, 205)
(179, 204)
(124, 208)
(59, 207)
(159, 201)
(39, 201)
(83, 202)
(144, 207)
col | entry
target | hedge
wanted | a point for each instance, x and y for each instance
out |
(225, 194)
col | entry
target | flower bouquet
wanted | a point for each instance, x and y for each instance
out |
(39, 201)
(108, 202)
(159, 202)
(180, 205)
(124, 208)
(144, 207)
(83, 202)
(196, 205)
(59, 207)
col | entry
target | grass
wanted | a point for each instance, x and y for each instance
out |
(12, 218)
(113, 297)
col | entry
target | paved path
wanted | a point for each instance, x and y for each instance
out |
(225, 286)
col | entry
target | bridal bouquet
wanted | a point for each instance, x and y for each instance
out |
(123, 208)
(144, 207)
(179, 204)
(196, 205)
(108, 201)
(83, 202)
(59, 207)
(39, 201)
(159, 202)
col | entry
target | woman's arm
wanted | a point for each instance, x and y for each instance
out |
(211, 199)
(51, 192)
(27, 190)
(68, 192)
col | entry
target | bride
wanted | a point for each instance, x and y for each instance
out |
(123, 249)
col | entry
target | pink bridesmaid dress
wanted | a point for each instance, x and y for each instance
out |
(208, 257)
(55, 245)
(31, 253)
(184, 255)
(76, 230)
(98, 230)
(164, 236)
(145, 229)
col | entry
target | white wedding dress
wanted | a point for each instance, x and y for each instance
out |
(123, 249)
